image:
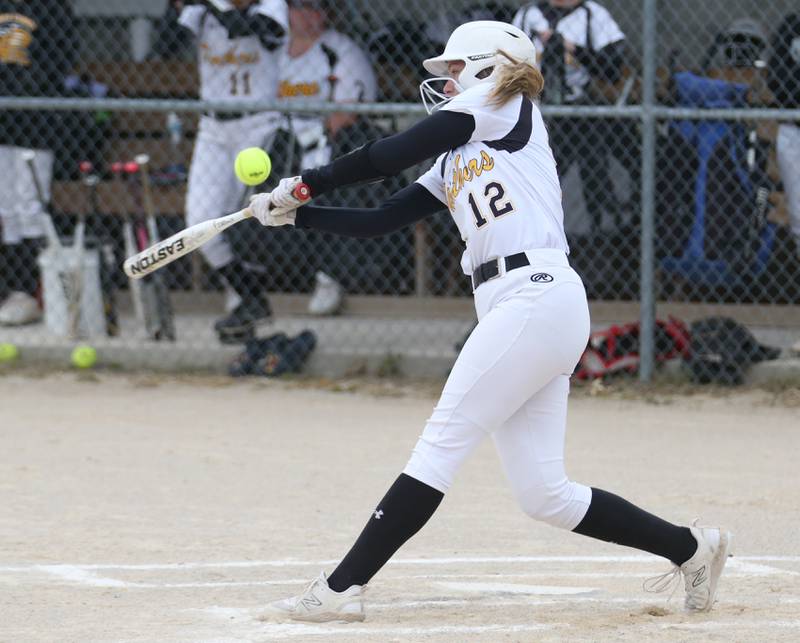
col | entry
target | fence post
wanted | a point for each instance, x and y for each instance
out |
(647, 313)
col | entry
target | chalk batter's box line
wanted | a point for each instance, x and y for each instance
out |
(636, 558)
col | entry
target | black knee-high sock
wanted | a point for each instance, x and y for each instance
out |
(616, 520)
(403, 511)
(247, 283)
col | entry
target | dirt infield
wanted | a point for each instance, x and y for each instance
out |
(135, 509)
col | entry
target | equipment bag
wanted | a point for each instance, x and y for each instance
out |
(721, 350)
(616, 348)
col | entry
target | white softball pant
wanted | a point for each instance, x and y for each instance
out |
(21, 212)
(788, 153)
(511, 381)
(213, 188)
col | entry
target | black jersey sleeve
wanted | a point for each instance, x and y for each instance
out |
(606, 63)
(386, 157)
(406, 206)
(240, 24)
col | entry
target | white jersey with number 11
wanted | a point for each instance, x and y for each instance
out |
(235, 68)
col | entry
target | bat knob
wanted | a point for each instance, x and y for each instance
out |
(302, 192)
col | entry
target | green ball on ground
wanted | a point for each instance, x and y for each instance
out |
(252, 166)
(83, 356)
(8, 352)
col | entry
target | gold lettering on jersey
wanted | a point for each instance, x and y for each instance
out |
(16, 35)
(230, 57)
(293, 90)
(461, 175)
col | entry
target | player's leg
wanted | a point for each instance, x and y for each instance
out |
(787, 150)
(531, 448)
(788, 154)
(502, 364)
(246, 276)
(212, 191)
(23, 231)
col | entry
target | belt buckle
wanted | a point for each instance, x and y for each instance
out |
(501, 267)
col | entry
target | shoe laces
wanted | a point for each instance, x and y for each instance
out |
(296, 600)
(663, 582)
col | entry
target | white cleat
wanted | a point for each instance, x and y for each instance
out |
(328, 295)
(701, 572)
(320, 604)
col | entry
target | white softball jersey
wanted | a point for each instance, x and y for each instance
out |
(502, 187)
(575, 28)
(333, 69)
(239, 68)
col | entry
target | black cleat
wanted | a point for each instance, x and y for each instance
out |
(240, 325)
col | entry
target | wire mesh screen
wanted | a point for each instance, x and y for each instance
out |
(87, 184)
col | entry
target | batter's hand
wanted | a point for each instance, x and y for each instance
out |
(285, 196)
(262, 209)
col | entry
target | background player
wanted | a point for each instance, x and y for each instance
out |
(582, 54)
(37, 50)
(239, 49)
(321, 65)
(495, 172)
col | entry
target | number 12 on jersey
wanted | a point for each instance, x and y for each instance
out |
(494, 192)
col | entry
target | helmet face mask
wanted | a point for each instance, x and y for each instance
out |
(478, 45)
(431, 91)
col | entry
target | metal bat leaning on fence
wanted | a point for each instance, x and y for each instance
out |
(183, 242)
(159, 318)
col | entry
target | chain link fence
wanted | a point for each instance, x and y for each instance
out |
(121, 122)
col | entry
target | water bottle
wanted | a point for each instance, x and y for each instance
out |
(175, 129)
(175, 132)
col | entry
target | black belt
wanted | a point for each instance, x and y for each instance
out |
(226, 116)
(491, 269)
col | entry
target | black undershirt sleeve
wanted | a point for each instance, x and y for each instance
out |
(436, 134)
(606, 63)
(407, 206)
(240, 24)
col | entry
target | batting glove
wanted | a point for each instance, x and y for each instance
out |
(261, 207)
(283, 196)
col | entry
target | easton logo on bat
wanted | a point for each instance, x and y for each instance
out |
(157, 256)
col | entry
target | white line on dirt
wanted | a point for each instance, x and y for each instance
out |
(739, 624)
(80, 576)
(281, 630)
(514, 588)
(401, 561)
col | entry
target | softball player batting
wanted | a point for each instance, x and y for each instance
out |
(495, 172)
(240, 44)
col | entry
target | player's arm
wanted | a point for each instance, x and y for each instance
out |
(240, 23)
(375, 161)
(405, 207)
(604, 64)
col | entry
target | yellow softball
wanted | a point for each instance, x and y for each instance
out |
(252, 166)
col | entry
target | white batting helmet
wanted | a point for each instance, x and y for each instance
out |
(477, 45)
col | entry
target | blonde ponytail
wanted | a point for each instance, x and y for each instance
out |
(516, 77)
